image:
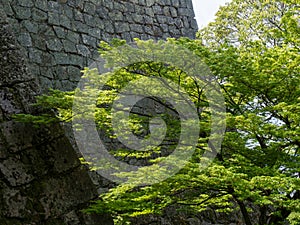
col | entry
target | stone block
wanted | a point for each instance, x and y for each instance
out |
(150, 3)
(162, 19)
(3, 145)
(120, 7)
(25, 40)
(38, 42)
(168, 2)
(45, 83)
(157, 31)
(8, 10)
(22, 12)
(58, 194)
(73, 36)
(95, 32)
(102, 12)
(148, 20)
(65, 159)
(109, 5)
(165, 28)
(116, 16)
(89, 8)
(26, 3)
(166, 11)
(138, 19)
(61, 58)
(109, 27)
(184, 12)
(34, 69)
(179, 23)
(14, 203)
(48, 59)
(173, 12)
(45, 30)
(142, 2)
(65, 22)
(31, 26)
(83, 50)
(128, 7)
(54, 44)
(53, 18)
(81, 27)
(194, 24)
(148, 30)
(126, 36)
(175, 3)
(137, 28)
(74, 73)
(175, 33)
(76, 60)
(41, 4)
(139, 9)
(9, 102)
(186, 22)
(68, 11)
(78, 16)
(54, 6)
(46, 72)
(60, 32)
(149, 12)
(88, 40)
(18, 136)
(14, 24)
(39, 15)
(62, 1)
(121, 27)
(89, 20)
(157, 10)
(69, 46)
(68, 85)
(35, 55)
(78, 4)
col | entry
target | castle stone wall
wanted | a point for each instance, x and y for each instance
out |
(60, 37)
(44, 44)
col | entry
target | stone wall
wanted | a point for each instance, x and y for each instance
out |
(44, 44)
(41, 178)
(60, 37)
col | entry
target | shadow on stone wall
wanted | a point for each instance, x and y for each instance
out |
(42, 180)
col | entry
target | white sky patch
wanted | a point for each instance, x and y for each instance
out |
(205, 10)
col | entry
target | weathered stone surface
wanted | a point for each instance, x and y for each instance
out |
(30, 26)
(83, 50)
(69, 46)
(54, 44)
(25, 39)
(41, 179)
(22, 12)
(39, 15)
(53, 25)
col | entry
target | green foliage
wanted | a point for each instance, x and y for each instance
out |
(54, 107)
(259, 162)
(242, 22)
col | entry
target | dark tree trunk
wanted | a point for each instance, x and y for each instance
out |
(244, 212)
(263, 216)
(280, 219)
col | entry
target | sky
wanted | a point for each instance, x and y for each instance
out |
(205, 10)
